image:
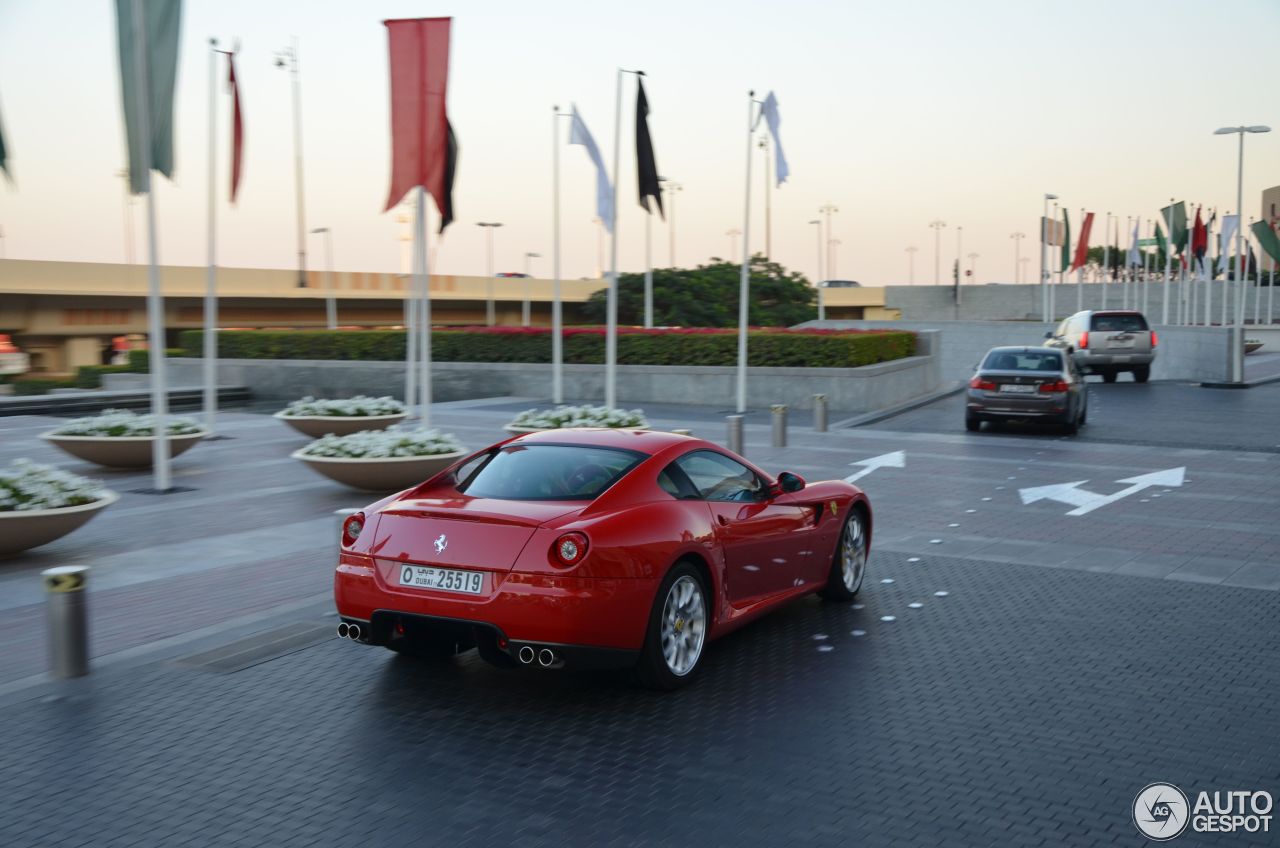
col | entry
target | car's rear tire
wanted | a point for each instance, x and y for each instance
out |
(1070, 426)
(677, 635)
(1110, 375)
(1142, 373)
(972, 423)
(849, 565)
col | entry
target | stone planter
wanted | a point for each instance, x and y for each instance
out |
(21, 530)
(512, 428)
(379, 473)
(316, 426)
(120, 451)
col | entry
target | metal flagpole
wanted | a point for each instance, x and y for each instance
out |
(411, 331)
(211, 285)
(1271, 295)
(422, 277)
(1053, 289)
(648, 270)
(1146, 270)
(1207, 273)
(611, 328)
(155, 303)
(1168, 266)
(1080, 274)
(557, 352)
(1106, 258)
(1226, 285)
(744, 286)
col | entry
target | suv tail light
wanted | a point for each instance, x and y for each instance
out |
(569, 549)
(1154, 340)
(352, 528)
(1060, 386)
(984, 385)
(1084, 340)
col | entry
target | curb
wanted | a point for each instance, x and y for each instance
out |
(883, 414)
(1248, 384)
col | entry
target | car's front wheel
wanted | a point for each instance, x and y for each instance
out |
(850, 564)
(677, 634)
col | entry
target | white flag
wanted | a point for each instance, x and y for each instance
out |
(579, 134)
(769, 112)
(1135, 255)
(1229, 224)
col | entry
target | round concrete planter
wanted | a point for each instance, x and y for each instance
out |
(511, 428)
(316, 426)
(379, 473)
(22, 530)
(120, 451)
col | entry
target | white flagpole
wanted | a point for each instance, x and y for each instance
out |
(1080, 273)
(155, 303)
(1271, 295)
(1207, 273)
(1128, 267)
(1257, 287)
(648, 270)
(1168, 266)
(211, 284)
(611, 326)
(422, 279)
(411, 334)
(1106, 258)
(744, 287)
(1146, 271)
(557, 350)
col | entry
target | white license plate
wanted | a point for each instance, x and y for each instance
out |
(442, 579)
(1014, 388)
(1120, 343)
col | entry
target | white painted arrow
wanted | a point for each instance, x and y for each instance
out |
(897, 459)
(1085, 501)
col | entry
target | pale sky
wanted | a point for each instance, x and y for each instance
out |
(896, 112)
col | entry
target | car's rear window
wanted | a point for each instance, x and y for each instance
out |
(1012, 360)
(1125, 322)
(520, 472)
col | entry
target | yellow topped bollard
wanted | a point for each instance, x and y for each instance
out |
(68, 613)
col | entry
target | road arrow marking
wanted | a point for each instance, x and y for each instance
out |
(897, 459)
(1085, 501)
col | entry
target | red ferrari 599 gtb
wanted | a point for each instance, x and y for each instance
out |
(594, 548)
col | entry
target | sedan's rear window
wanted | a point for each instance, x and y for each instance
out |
(1012, 360)
(1128, 322)
(519, 472)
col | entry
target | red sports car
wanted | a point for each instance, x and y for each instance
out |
(594, 548)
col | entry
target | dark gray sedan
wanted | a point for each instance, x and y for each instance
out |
(1032, 383)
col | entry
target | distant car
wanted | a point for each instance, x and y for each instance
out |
(593, 548)
(1107, 342)
(1032, 383)
(840, 284)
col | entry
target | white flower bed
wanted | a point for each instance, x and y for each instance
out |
(27, 486)
(122, 422)
(392, 442)
(579, 416)
(357, 406)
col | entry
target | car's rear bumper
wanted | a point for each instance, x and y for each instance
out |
(1095, 359)
(980, 404)
(521, 608)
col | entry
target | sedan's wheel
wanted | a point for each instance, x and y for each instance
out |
(850, 564)
(677, 632)
(972, 423)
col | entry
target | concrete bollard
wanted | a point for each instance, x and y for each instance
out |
(341, 515)
(779, 411)
(820, 413)
(735, 433)
(68, 613)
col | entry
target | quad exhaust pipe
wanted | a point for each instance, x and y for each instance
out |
(349, 631)
(544, 657)
(526, 655)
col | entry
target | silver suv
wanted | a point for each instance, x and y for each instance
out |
(1107, 342)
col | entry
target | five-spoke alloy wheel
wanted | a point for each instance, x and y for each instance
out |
(677, 630)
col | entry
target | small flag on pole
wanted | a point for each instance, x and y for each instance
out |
(579, 134)
(646, 164)
(237, 125)
(162, 23)
(1135, 255)
(4, 160)
(1266, 239)
(1082, 246)
(1175, 218)
(1199, 238)
(769, 113)
(1229, 225)
(1066, 240)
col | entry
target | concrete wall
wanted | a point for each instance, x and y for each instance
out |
(863, 389)
(1184, 353)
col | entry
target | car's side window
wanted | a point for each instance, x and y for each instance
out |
(676, 483)
(719, 478)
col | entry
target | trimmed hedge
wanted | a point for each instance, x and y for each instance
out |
(824, 349)
(40, 386)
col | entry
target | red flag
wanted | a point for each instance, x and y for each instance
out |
(422, 148)
(237, 125)
(1199, 237)
(1082, 246)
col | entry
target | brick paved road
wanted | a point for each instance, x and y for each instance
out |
(1028, 706)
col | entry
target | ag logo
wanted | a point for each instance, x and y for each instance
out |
(1161, 812)
(441, 544)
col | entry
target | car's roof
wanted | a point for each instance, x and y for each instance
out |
(1112, 312)
(1025, 349)
(644, 441)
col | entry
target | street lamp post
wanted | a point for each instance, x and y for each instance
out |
(526, 309)
(288, 57)
(937, 226)
(1017, 255)
(1044, 260)
(822, 305)
(330, 306)
(826, 211)
(1237, 333)
(490, 317)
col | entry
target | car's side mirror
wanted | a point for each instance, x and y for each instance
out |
(789, 482)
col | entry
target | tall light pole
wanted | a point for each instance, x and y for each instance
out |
(937, 226)
(330, 306)
(1017, 255)
(288, 57)
(817, 282)
(1044, 260)
(911, 264)
(826, 211)
(733, 240)
(835, 255)
(526, 309)
(1237, 334)
(490, 318)
(672, 189)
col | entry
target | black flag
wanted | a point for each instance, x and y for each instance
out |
(646, 167)
(450, 168)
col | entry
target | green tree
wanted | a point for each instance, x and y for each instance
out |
(707, 296)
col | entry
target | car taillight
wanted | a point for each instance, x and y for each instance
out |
(1154, 341)
(983, 385)
(1084, 340)
(569, 549)
(1059, 386)
(351, 529)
